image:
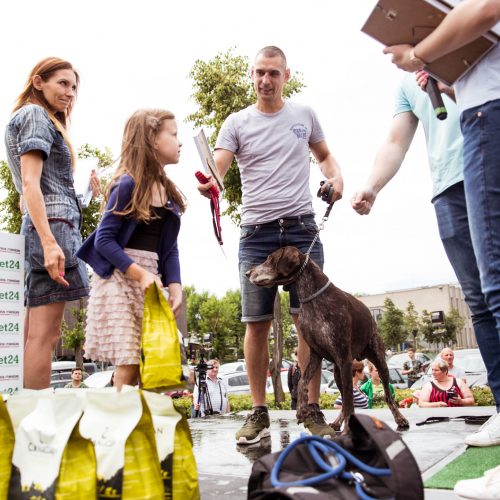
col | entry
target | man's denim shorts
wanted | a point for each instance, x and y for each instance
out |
(260, 240)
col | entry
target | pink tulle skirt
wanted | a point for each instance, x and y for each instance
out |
(114, 314)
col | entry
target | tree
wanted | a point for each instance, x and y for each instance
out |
(219, 317)
(412, 321)
(223, 86)
(9, 205)
(392, 326)
(92, 213)
(73, 336)
(445, 332)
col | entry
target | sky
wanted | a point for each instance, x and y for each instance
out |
(133, 55)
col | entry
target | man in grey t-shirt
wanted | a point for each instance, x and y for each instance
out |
(271, 141)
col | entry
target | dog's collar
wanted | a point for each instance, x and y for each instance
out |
(315, 294)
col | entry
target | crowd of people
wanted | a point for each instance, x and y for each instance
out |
(135, 244)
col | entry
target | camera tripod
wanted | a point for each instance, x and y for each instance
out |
(203, 394)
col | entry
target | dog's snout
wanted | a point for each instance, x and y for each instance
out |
(248, 273)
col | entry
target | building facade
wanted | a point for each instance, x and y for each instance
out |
(431, 298)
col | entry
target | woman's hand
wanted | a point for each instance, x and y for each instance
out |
(175, 297)
(95, 185)
(54, 262)
(440, 404)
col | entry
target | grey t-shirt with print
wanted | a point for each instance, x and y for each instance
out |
(272, 151)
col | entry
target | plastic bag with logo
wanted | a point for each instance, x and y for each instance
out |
(121, 428)
(47, 447)
(175, 448)
(163, 364)
(7, 443)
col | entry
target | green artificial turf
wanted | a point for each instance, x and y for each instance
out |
(471, 464)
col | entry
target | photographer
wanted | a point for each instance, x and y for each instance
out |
(216, 392)
(444, 390)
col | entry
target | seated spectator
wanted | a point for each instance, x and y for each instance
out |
(76, 380)
(360, 399)
(448, 355)
(374, 388)
(444, 390)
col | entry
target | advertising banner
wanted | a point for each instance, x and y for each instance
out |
(11, 312)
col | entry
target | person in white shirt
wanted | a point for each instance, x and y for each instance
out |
(448, 355)
(217, 392)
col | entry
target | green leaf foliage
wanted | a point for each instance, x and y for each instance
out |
(9, 205)
(223, 86)
(92, 213)
(444, 333)
(392, 325)
(243, 402)
(221, 318)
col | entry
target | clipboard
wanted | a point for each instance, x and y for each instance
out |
(394, 22)
(207, 159)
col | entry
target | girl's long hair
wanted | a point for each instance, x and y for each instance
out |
(140, 160)
(30, 95)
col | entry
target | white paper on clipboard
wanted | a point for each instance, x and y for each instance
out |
(81, 179)
(207, 159)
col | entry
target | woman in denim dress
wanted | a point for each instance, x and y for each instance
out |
(41, 160)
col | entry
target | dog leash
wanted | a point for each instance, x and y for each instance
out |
(332, 459)
(327, 196)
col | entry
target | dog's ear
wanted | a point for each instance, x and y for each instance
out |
(288, 261)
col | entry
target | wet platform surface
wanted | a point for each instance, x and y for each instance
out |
(224, 466)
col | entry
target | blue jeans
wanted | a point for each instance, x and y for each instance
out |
(481, 131)
(452, 218)
(256, 243)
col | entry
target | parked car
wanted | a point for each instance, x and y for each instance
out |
(236, 366)
(100, 379)
(326, 376)
(65, 367)
(239, 366)
(468, 359)
(237, 382)
(395, 378)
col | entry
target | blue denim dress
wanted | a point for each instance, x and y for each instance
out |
(30, 129)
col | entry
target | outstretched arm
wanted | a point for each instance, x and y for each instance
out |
(389, 158)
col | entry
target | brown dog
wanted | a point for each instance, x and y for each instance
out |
(334, 324)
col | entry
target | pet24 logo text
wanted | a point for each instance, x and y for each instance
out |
(9, 295)
(10, 264)
(9, 360)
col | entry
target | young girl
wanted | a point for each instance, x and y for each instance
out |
(41, 160)
(135, 244)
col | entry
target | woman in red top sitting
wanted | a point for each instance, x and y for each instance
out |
(444, 390)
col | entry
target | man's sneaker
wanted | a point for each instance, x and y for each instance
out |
(255, 428)
(482, 488)
(315, 423)
(488, 434)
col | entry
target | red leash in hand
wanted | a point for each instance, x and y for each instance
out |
(214, 205)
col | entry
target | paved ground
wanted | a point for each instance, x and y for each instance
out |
(224, 466)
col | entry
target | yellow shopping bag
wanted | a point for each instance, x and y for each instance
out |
(160, 362)
(7, 447)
